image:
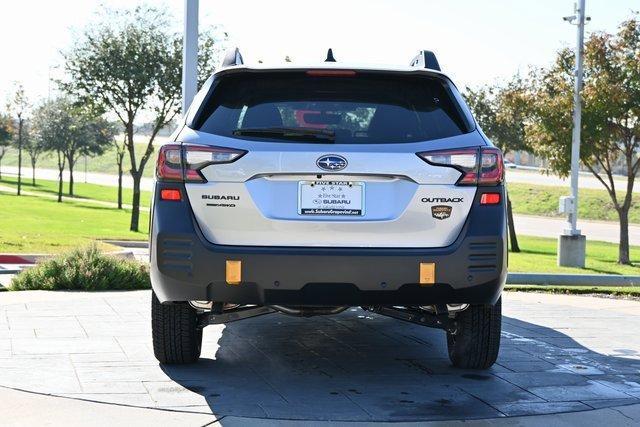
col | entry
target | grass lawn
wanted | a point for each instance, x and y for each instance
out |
(105, 163)
(538, 255)
(543, 200)
(31, 224)
(623, 291)
(82, 191)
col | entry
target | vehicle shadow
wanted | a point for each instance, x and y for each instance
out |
(359, 366)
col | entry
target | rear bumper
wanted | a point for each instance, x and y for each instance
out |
(185, 266)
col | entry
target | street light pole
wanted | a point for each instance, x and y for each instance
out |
(189, 54)
(572, 244)
(577, 120)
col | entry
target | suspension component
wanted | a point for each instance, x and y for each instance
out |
(436, 319)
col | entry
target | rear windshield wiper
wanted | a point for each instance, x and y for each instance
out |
(285, 132)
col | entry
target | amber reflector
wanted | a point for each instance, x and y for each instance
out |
(234, 272)
(427, 273)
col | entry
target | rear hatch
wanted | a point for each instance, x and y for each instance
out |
(329, 158)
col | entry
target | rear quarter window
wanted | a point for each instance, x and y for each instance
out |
(361, 109)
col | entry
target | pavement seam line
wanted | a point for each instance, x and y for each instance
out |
(621, 413)
(124, 405)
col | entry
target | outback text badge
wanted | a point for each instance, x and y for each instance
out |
(441, 211)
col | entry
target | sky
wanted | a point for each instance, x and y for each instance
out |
(476, 41)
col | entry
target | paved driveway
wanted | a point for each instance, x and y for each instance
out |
(559, 354)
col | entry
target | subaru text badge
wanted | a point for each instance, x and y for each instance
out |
(331, 162)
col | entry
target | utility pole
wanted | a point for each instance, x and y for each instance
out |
(572, 244)
(20, 130)
(189, 54)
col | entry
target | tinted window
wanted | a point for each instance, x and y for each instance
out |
(366, 108)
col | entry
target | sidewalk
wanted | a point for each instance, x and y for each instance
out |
(92, 177)
(23, 408)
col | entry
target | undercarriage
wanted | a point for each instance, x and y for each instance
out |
(441, 316)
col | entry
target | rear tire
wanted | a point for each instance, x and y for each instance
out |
(176, 336)
(477, 341)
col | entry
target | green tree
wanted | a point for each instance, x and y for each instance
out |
(92, 136)
(70, 131)
(501, 112)
(130, 64)
(34, 147)
(611, 115)
(18, 105)
(53, 126)
(6, 136)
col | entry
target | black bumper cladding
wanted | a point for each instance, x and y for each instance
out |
(185, 266)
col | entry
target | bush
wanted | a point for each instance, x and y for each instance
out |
(85, 269)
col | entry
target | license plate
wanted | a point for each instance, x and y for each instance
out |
(334, 198)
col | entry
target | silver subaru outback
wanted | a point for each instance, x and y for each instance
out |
(306, 190)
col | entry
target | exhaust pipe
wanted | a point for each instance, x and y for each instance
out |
(201, 305)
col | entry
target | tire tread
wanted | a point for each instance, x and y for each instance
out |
(175, 334)
(477, 342)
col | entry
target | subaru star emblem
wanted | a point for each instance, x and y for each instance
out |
(332, 162)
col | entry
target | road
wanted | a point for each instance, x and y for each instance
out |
(586, 180)
(525, 224)
(604, 231)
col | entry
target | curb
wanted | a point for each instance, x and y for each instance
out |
(18, 259)
(128, 243)
(27, 259)
(547, 279)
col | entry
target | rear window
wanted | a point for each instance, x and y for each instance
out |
(360, 109)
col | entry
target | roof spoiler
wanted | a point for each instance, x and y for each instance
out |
(232, 58)
(426, 59)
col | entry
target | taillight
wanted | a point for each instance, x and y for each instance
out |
(184, 162)
(491, 167)
(479, 166)
(169, 165)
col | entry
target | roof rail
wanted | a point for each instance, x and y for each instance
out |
(232, 58)
(426, 59)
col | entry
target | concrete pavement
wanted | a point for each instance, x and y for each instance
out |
(560, 354)
(17, 408)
